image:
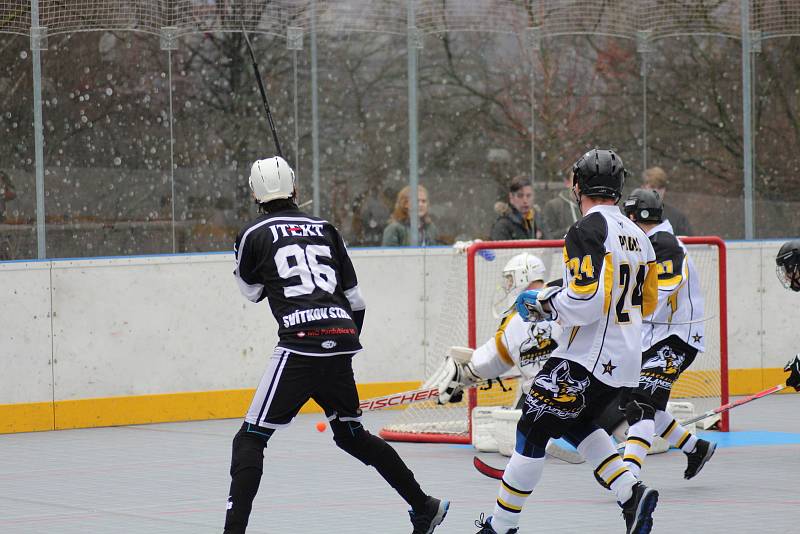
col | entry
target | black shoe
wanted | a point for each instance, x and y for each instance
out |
(433, 514)
(638, 510)
(703, 451)
(486, 526)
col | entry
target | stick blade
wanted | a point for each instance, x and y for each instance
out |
(486, 469)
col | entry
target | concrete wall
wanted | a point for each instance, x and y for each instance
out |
(83, 329)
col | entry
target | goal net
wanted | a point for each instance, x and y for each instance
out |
(474, 301)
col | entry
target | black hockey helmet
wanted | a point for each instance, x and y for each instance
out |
(645, 205)
(788, 264)
(599, 173)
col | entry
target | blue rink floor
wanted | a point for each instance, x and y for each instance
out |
(173, 478)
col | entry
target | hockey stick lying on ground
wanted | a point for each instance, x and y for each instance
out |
(418, 395)
(734, 404)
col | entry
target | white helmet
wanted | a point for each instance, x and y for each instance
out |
(271, 179)
(521, 270)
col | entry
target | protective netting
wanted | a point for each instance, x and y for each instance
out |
(659, 18)
(701, 384)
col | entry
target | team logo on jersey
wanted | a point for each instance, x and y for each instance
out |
(556, 393)
(666, 359)
(539, 345)
(661, 370)
(328, 344)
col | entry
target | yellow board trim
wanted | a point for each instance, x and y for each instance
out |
(225, 404)
(144, 409)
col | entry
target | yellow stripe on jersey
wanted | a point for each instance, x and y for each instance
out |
(572, 335)
(502, 350)
(583, 290)
(671, 281)
(608, 281)
(650, 290)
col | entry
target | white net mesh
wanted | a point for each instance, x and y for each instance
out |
(661, 18)
(701, 384)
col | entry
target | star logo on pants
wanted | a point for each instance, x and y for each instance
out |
(696, 338)
(608, 368)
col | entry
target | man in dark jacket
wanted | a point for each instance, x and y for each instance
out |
(519, 219)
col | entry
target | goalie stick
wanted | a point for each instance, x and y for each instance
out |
(418, 395)
(734, 404)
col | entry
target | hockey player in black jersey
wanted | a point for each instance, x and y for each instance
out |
(299, 263)
(670, 342)
(788, 270)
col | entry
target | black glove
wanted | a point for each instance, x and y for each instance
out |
(793, 368)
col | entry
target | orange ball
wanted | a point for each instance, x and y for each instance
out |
(321, 426)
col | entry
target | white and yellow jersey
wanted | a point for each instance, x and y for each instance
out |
(516, 343)
(610, 283)
(680, 307)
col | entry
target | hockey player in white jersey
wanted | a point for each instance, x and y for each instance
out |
(671, 340)
(609, 284)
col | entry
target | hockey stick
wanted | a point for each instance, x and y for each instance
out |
(418, 395)
(486, 469)
(703, 320)
(553, 449)
(734, 404)
(263, 93)
(399, 399)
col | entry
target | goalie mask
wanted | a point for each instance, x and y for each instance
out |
(645, 205)
(518, 273)
(788, 265)
(599, 173)
(271, 179)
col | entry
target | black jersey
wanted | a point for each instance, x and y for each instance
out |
(299, 263)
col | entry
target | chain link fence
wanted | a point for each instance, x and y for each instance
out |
(150, 116)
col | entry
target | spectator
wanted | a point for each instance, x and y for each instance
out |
(6, 193)
(655, 178)
(397, 232)
(371, 208)
(560, 212)
(519, 219)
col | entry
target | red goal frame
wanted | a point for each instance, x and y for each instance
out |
(716, 241)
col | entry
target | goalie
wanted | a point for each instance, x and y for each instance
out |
(516, 343)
